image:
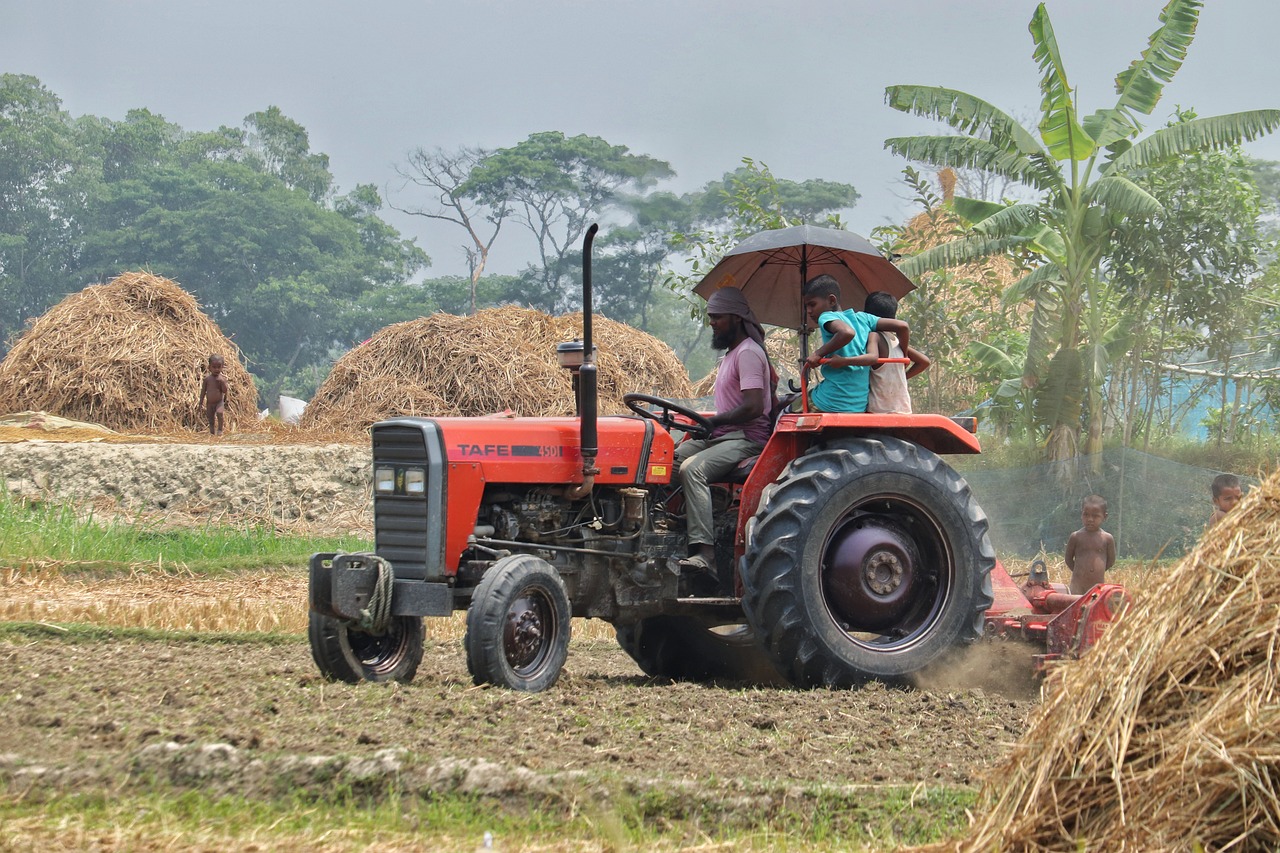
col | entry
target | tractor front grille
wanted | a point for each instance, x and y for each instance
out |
(408, 529)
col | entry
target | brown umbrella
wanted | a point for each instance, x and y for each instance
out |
(770, 268)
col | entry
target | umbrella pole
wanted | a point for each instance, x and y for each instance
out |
(804, 331)
(804, 321)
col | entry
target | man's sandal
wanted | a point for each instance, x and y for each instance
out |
(696, 563)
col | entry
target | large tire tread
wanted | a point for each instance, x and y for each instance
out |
(775, 597)
(684, 648)
(503, 584)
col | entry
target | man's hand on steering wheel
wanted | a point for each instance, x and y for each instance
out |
(696, 425)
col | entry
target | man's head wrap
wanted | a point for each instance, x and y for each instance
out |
(729, 300)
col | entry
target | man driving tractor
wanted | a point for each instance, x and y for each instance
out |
(745, 389)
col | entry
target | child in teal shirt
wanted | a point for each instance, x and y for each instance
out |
(844, 336)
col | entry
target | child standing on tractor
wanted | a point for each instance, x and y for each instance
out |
(1226, 494)
(1090, 550)
(213, 395)
(847, 376)
(888, 392)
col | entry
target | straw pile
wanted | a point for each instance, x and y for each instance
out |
(128, 355)
(500, 359)
(1164, 736)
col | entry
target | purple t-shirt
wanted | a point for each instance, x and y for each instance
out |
(744, 367)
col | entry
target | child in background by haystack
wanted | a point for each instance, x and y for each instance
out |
(1090, 550)
(213, 395)
(1226, 494)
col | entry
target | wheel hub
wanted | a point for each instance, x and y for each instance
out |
(524, 634)
(871, 574)
(884, 572)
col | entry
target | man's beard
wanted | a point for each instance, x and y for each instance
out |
(722, 340)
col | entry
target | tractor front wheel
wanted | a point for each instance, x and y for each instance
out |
(518, 625)
(867, 560)
(345, 653)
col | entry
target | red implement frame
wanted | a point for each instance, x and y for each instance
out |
(1050, 617)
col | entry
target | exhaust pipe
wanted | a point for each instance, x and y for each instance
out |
(588, 394)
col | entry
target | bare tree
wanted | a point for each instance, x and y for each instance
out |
(442, 173)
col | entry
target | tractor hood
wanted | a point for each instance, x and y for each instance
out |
(631, 450)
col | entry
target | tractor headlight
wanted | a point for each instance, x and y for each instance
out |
(399, 480)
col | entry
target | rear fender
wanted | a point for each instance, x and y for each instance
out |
(796, 432)
(941, 434)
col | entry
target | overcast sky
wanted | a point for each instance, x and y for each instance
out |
(796, 84)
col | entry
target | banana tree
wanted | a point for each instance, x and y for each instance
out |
(1080, 168)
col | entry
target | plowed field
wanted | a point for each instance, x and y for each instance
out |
(249, 714)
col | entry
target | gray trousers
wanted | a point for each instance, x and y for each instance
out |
(700, 463)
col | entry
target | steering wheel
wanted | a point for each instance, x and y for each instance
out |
(698, 427)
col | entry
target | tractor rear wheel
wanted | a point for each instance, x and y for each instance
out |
(518, 625)
(343, 652)
(687, 648)
(867, 560)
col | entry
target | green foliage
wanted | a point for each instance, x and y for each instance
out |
(1084, 202)
(555, 186)
(41, 173)
(744, 202)
(1266, 177)
(245, 220)
(1189, 275)
(1257, 458)
(957, 317)
(250, 221)
(752, 192)
(283, 149)
(1063, 136)
(443, 174)
(1252, 424)
(1063, 390)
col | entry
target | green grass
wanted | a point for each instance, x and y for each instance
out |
(79, 632)
(871, 818)
(57, 532)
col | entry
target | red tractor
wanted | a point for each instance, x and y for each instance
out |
(848, 551)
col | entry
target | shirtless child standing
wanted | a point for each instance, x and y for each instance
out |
(1090, 550)
(213, 395)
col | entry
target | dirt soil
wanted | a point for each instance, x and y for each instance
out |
(323, 487)
(254, 717)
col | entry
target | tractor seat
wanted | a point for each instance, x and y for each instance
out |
(739, 475)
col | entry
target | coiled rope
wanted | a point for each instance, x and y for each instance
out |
(377, 616)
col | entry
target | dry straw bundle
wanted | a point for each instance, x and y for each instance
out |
(1164, 736)
(499, 359)
(128, 355)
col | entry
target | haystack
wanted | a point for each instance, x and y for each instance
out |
(500, 359)
(1164, 737)
(128, 355)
